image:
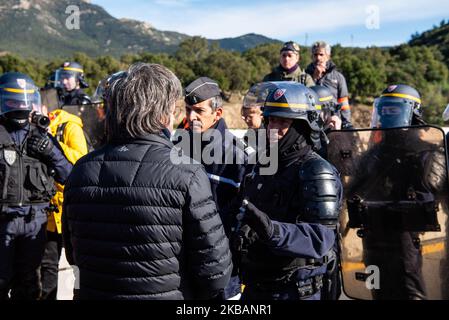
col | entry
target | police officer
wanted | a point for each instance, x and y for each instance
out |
(29, 161)
(287, 237)
(396, 252)
(96, 134)
(330, 114)
(69, 79)
(227, 166)
(289, 69)
(330, 109)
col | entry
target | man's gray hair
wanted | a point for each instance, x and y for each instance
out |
(141, 101)
(216, 102)
(321, 45)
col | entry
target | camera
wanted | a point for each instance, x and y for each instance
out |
(40, 121)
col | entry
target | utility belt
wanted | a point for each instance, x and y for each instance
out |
(8, 216)
(305, 288)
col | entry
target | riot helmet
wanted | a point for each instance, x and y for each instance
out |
(396, 107)
(327, 101)
(70, 70)
(100, 96)
(18, 97)
(256, 95)
(292, 100)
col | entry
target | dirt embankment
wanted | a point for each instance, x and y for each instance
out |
(361, 114)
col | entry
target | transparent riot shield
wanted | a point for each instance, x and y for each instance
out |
(394, 243)
(92, 126)
(50, 98)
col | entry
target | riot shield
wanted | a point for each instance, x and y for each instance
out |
(395, 216)
(92, 126)
(50, 98)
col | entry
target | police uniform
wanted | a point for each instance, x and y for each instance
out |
(300, 204)
(396, 252)
(294, 74)
(76, 96)
(29, 161)
(225, 178)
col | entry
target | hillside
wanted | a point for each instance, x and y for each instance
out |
(37, 28)
(438, 36)
(244, 42)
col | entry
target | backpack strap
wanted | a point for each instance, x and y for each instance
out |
(60, 132)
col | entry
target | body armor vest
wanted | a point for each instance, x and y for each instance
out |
(24, 180)
(291, 196)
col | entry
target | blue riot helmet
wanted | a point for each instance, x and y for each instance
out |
(396, 107)
(292, 100)
(325, 97)
(256, 95)
(100, 96)
(329, 105)
(18, 97)
(70, 70)
(101, 90)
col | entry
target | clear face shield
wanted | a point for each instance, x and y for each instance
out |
(391, 113)
(23, 100)
(66, 79)
(98, 99)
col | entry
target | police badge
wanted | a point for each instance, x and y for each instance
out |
(10, 156)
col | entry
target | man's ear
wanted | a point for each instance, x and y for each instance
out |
(218, 113)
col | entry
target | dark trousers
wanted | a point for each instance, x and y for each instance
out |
(332, 278)
(50, 266)
(251, 293)
(22, 243)
(398, 256)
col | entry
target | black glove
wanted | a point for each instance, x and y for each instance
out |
(259, 222)
(39, 146)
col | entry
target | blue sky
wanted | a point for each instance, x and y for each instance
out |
(348, 22)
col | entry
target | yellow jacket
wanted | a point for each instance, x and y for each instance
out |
(74, 145)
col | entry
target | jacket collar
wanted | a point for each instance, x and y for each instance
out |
(150, 139)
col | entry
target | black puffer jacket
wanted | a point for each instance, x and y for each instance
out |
(140, 227)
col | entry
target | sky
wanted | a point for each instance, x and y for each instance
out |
(359, 23)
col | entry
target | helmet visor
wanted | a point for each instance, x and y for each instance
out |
(256, 95)
(391, 113)
(61, 75)
(19, 99)
(98, 96)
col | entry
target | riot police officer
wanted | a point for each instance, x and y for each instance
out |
(29, 161)
(96, 129)
(69, 80)
(397, 253)
(330, 109)
(330, 114)
(287, 238)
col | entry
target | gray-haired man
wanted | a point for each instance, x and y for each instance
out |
(324, 72)
(135, 224)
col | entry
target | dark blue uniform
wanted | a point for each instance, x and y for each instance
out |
(225, 179)
(23, 227)
(303, 201)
